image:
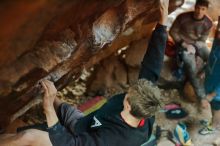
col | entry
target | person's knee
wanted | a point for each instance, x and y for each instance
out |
(188, 58)
(203, 52)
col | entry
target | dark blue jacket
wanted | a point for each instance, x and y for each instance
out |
(113, 131)
(212, 76)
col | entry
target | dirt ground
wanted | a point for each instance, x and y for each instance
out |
(192, 121)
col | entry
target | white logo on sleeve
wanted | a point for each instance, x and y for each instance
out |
(97, 123)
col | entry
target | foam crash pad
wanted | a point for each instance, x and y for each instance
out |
(92, 104)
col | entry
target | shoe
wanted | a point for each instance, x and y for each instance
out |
(206, 130)
(204, 123)
(182, 135)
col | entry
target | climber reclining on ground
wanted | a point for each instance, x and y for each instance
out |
(125, 120)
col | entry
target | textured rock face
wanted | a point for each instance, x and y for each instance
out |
(57, 39)
(214, 11)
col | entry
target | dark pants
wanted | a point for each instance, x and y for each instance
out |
(68, 116)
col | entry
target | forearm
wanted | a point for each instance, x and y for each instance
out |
(210, 96)
(51, 117)
(163, 19)
(164, 4)
(57, 103)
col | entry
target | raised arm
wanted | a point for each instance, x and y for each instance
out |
(48, 101)
(153, 59)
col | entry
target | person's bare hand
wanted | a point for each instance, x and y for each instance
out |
(190, 48)
(50, 92)
(210, 96)
(164, 5)
(201, 75)
(205, 103)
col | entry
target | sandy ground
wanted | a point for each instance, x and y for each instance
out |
(195, 115)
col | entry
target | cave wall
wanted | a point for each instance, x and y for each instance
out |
(214, 10)
(116, 72)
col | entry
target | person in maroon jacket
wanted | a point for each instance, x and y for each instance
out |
(125, 120)
(189, 32)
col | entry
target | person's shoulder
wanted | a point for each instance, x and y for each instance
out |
(116, 100)
(208, 21)
(117, 97)
(185, 14)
